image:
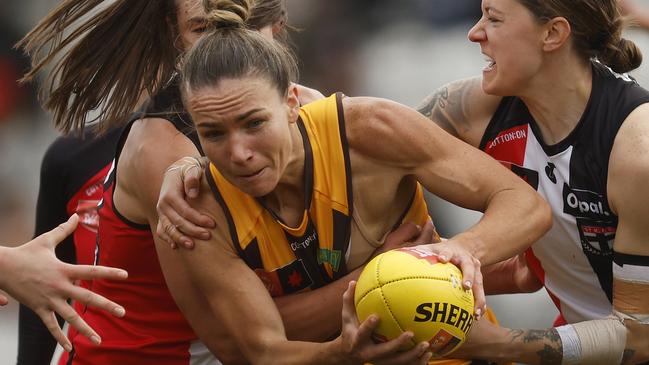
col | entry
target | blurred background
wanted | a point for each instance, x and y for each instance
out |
(401, 50)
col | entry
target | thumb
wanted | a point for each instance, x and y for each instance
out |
(58, 234)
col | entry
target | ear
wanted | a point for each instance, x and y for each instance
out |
(557, 33)
(277, 27)
(292, 103)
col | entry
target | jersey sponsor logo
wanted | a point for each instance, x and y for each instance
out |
(332, 257)
(509, 145)
(94, 189)
(88, 214)
(444, 313)
(596, 237)
(507, 137)
(304, 242)
(585, 204)
(549, 171)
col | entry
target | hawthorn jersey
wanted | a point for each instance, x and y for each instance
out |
(574, 259)
(153, 331)
(313, 254)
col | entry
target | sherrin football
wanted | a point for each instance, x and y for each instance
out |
(411, 291)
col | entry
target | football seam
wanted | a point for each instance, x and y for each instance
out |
(381, 284)
(387, 305)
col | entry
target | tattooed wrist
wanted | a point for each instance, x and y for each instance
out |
(545, 344)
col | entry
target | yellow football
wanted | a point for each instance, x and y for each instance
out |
(411, 291)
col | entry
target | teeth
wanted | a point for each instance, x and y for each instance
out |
(490, 61)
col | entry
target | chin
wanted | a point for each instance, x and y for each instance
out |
(491, 87)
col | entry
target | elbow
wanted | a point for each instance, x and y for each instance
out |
(544, 216)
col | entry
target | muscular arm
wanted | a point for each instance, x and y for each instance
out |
(628, 197)
(461, 108)
(142, 167)
(514, 215)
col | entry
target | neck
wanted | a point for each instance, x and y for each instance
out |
(558, 97)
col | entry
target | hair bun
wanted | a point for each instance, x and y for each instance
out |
(227, 13)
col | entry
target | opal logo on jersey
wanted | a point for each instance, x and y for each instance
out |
(584, 203)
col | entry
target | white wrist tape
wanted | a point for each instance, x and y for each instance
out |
(596, 342)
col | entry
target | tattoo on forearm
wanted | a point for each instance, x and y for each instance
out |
(552, 351)
(550, 355)
(449, 106)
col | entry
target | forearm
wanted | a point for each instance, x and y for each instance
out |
(302, 353)
(513, 345)
(492, 240)
(314, 315)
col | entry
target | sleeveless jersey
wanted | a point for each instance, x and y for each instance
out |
(574, 259)
(313, 254)
(289, 260)
(154, 330)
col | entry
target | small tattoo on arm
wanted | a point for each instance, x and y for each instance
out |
(551, 353)
(449, 106)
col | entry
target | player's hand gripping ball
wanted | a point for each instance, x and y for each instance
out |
(411, 291)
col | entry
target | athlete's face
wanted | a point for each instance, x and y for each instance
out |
(244, 128)
(510, 38)
(191, 24)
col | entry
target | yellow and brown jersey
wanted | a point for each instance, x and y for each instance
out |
(292, 259)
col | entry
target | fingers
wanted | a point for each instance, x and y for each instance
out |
(349, 309)
(73, 318)
(91, 299)
(479, 295)
(426, 235)
(58, 234)
(3, 300)
(90, 272)
(52, 325)
(184, 229)
(191, 180)
(412, 356)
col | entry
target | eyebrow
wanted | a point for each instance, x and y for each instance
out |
(239, 118)
(197, 20)
(493, 10)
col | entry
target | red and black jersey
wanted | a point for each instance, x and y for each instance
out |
(153, 331)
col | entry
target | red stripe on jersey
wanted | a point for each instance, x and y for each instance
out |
(509, 145)
(535, 265)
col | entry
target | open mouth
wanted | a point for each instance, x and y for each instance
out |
(252, 175)
(491, 64)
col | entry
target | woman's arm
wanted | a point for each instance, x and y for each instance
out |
(628, 198)
(245, 310)
(461, 108)
(514, 214)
